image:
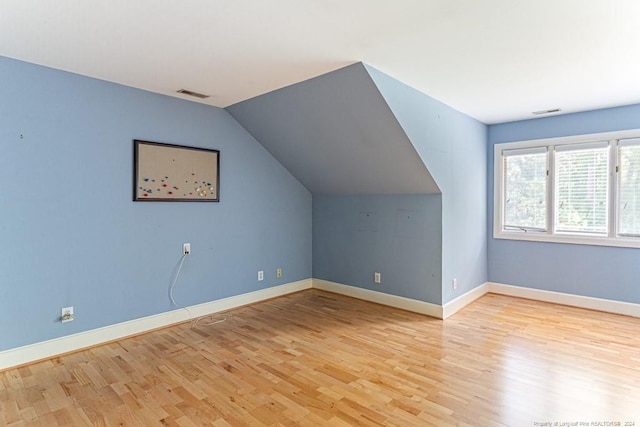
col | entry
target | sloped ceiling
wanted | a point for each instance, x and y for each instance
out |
(336, 134)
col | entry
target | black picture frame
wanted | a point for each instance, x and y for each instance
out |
(175, 173)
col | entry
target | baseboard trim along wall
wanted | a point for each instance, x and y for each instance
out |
(408, 304)
(457, 304)
(47, 349)
(453, 306)
(44, 350)
(598, 304)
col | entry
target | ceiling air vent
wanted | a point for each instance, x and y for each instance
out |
(192, 93)
(541, 112)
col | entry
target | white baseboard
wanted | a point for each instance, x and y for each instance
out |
(598, 304)
(455, 305)
(55, 347)
(416, 306)
(403, 303)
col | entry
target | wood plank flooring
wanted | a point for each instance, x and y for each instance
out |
(316, 358)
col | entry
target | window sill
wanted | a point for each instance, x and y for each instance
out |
(568, 239)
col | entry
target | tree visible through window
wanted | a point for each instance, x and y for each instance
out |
(629, 189)
(525, 183)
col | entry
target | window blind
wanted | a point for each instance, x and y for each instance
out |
(581, 188)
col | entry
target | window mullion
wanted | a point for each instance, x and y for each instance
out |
(614, 165)
(551, 211)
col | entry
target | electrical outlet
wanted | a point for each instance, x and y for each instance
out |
(260, 275)
(278, 272)
(186, 248)
(66, 314)
(454, 284)
(377, 278)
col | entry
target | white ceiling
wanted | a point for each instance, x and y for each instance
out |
(495, 60)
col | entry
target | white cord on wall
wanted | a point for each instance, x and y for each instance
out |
(194, 322)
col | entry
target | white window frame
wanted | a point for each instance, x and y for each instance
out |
(550, 235)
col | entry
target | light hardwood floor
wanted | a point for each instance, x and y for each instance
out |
(316, 358)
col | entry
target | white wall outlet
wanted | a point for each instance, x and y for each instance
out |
(260, 275)
(186, 248)
(66, 314)
(278, 272)
(377, 278)
(454, 284)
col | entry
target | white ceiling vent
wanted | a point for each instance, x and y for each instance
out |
(551, 111)
(194, 94)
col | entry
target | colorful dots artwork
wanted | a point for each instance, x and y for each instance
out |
(202, 189)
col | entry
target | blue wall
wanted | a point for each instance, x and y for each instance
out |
(399, 236)
(71, 235)
(453, 147)
(594, 271)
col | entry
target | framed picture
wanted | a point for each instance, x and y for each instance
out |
(175, 173)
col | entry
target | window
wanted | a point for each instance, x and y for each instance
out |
(583, 190)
